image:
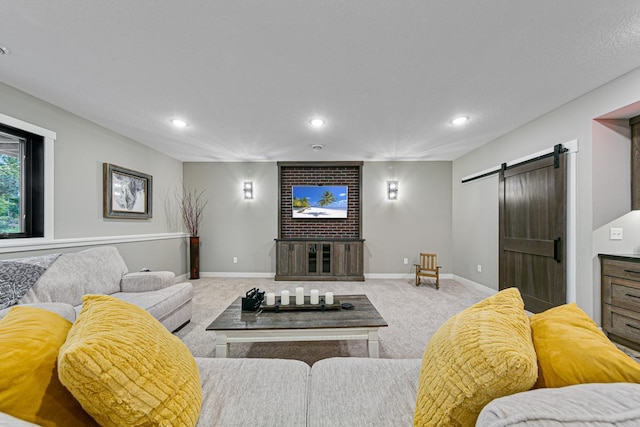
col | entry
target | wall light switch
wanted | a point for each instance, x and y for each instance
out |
(479, 268)
(235, 259)
(406, 260)
(615, 234)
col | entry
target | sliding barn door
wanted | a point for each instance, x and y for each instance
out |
(533, 230)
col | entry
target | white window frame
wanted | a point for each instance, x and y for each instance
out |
(49, 140)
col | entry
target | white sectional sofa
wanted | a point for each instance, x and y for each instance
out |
(346, 392)
(65, 278)
(333, 392)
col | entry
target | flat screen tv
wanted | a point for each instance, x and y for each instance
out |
(319, 201)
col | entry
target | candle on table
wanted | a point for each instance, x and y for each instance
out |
(299, 296)
(284, 298)
(328, 298)
(315, 296)
(271, 298)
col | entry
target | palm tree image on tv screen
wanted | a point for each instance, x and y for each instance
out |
(320, 201)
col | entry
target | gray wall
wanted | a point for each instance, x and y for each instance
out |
(611, 170)
(475, 204)
(80, 150)
(420, 220)
(233, 226)
(435, 212)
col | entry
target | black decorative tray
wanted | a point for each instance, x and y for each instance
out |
(292, 306)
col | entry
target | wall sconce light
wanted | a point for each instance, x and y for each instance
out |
(392, 190)
(248, 189)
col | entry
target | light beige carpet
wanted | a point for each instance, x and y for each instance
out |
(413, 314)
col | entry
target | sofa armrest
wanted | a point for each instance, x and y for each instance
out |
(147, 281)
(583, 404)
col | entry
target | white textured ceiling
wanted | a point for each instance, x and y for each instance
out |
(249, 74)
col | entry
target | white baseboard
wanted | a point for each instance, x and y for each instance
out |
(233, 274)
(400, 276)
(182, 278)
(476, 285)
(271, 275)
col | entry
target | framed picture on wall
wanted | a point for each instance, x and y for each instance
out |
(126, 193)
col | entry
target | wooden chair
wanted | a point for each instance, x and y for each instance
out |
(428, 267)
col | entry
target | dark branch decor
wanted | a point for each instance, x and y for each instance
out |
(192, 206)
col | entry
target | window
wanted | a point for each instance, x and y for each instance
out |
(21, 183)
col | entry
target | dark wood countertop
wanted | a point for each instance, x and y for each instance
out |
(628, 257)
(320, 239)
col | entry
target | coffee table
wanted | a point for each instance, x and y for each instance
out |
(362, 323)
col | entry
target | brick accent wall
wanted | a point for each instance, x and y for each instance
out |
(349, 175)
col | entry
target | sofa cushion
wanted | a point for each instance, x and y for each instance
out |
(92, 271)
(362, 391)
(161, 302)
(29, 387)
(65, 310)
(596, 405)
(125, 368)
(144, 281)
(253, 392)
(572, 350)
(480, 354)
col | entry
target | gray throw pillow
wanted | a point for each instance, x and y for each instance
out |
(17, 276)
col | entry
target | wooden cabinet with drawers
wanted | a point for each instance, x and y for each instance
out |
(621, 298)
(319, 259)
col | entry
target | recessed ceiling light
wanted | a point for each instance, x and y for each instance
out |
(317, 122)
(178, 123)
(459, 120)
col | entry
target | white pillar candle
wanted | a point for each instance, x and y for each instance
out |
(271, 298)
(315, 296)
(328, 298)
(299, 296)
(284, 298)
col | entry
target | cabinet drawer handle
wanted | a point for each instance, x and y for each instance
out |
(632, 296)
(631, 326)
(632, 271)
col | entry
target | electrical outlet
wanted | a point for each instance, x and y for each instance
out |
(406, 261)
(235, 259)
(479, 268)
(615, 234)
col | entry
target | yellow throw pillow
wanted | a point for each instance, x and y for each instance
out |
(29, 387)
(126, 369)
(572, 350)
(480, 354)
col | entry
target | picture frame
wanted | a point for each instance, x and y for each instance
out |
(127, 193)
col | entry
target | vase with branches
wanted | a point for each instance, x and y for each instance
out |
(192, 204)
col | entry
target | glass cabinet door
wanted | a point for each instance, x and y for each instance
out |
(312, 258)
(326, 257)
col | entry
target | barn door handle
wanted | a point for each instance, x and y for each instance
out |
(557, 245)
